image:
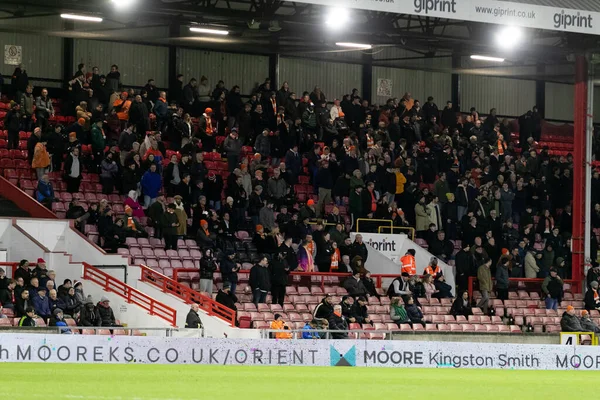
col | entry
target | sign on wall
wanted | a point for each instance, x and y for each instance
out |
(384, 87)
(13, 55)
(486, 11)
(100, 349)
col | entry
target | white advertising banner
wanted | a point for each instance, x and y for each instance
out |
(15, 347)
(490, 11)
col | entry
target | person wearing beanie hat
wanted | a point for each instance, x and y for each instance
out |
(204, 239)
(107, 316)
(89, 314)
(569, 321)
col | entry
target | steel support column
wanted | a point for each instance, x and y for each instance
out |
(367, 77)
(274, 71)
(540, 90)
(455, 88)
(579, 166)
(589, 134)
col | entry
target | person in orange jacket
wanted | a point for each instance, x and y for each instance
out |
(279, 324)
(122, 105)
(336, 258)
(433, 269)
(408, 262)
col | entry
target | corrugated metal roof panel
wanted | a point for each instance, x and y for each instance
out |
(42, 55)
(510, 97)
(559, 101)
(246, 71)
(137, 63)
(334, 79)
(421, 84)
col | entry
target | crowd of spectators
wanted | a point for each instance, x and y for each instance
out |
(450, 176)
(33, 295)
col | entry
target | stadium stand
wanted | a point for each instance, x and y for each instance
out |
(161, 184)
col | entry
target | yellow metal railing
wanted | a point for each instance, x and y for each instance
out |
(400, 228)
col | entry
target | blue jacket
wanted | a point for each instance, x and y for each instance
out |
(42, 306)
(151, 184)
(161, 109)
(44, 191)
(307, 334)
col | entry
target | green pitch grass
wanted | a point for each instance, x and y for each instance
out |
(173, 382)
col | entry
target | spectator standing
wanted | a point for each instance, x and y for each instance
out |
(207, 269)
(169, 228)
(43, 109)
(324, 183)
(260, 281)
(279, 278)
(27, 106)
(233, 147)
(484, 277)
(502, 276)
(73, 169)
(109, 170)
(151, 184)
(12, 123)
(552, 287)
(41, 158)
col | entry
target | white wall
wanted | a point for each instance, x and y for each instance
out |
(51, 234)
(213, 326)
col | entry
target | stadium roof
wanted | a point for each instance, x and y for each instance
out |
(294, 28)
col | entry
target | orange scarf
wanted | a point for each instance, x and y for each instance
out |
(370, 142)
(311, 248)
(335, 260)
(501, 147)
(131, 224)
(274, 105)
(209, 128)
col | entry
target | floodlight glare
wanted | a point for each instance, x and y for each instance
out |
(209, 31)
(337, 17)
(354, 45)
(509, 37)
(487, 58)
(123, 4)
(81, 17)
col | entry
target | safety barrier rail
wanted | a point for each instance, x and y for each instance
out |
(188, 295)
(111, 284)
(378, 278)
(374, 220)
(407, 228)
(576, 285)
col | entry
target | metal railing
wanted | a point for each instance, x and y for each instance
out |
(374, 220)
(407, 228)
(188, 295)
(111, 284)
